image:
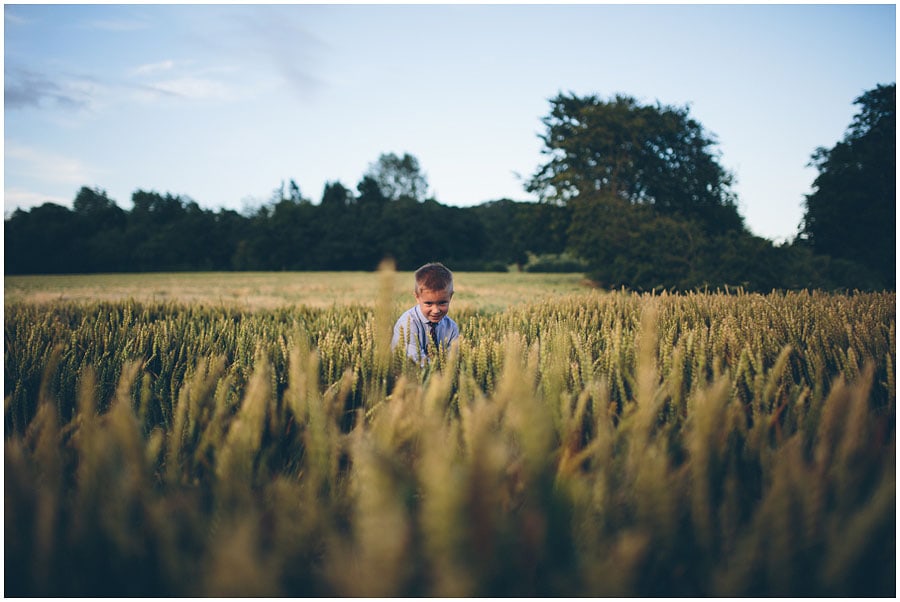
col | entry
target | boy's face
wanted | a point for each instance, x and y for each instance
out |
(434, 304)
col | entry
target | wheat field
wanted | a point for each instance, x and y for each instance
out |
(575, 443)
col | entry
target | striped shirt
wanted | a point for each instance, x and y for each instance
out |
(412, 330)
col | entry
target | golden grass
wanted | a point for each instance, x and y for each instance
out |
(270, 290)
(580, 445)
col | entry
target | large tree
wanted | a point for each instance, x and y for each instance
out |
(399, 177)
(851, 213)
(650, 155)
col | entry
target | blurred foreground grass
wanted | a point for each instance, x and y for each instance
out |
(574, 444)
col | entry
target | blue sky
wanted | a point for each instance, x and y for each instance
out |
(221, 103)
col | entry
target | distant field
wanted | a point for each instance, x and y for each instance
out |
(475, 290)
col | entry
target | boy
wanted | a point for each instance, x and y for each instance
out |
(426, 327)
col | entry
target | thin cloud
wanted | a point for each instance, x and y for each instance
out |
(153, 68)
(24, 88)
(168, 79)
(28, 89)
(28, 162)
(12, 18)
(194, 88)
(274, 36)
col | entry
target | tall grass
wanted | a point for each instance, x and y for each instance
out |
(593, 445)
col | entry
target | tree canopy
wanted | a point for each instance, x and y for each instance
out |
(651, 155)
(851, 213)
(399, 177)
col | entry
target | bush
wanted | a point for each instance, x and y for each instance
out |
(562, 263)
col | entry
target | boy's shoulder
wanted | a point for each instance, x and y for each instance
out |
(408, 314)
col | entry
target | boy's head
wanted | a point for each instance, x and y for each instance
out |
(434, 289)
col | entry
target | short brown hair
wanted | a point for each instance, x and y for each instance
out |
(434, 277)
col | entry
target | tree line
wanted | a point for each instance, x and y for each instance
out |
(631, 195)
(164, 232)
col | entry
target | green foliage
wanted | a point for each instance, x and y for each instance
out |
(169, 233)
(399, 177)
(590, 445)
(851, 213)
(555, 263)
(647, 155)
(636, 248)
(632, 246)
(513, 229)
(40, 241)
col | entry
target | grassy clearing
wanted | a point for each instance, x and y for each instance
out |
(270, 290)
(582, 444)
